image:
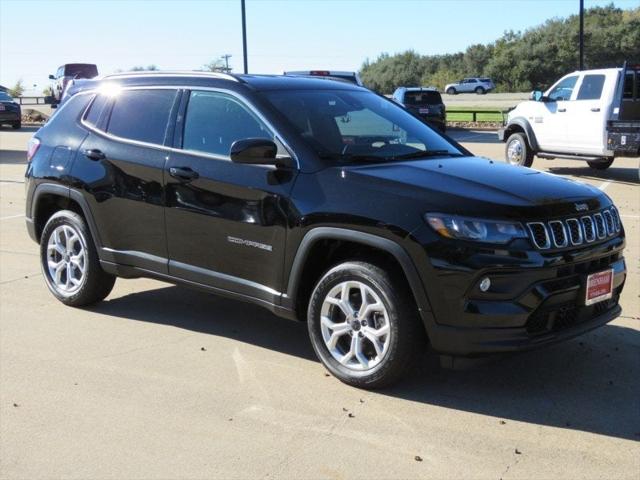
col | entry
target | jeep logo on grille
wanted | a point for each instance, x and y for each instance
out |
(581, 207)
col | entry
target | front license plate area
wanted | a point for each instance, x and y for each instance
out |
(599, 287)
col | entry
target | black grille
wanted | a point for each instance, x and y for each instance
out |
(616, 219)
(566, 315)
(600, 228)
(575, 232)
(558, 233)
(589, 230)
(539, 233)
(562, 233)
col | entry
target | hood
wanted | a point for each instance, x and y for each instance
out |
(478, 186)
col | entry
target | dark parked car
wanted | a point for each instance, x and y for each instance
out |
(10, 111)
(324, 203)
(71, 71)
(426, 103)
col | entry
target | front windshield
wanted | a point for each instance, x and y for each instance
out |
(4, 97)
(353, 125)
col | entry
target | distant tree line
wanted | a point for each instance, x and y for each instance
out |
(518, 61)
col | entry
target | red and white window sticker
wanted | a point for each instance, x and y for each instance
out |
(599, 287)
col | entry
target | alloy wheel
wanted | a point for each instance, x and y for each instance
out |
(355, 325)
(66, 259)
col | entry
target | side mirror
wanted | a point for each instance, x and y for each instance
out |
(257, 151)
(536, 96)
(51, 77)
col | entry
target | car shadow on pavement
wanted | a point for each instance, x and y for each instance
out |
(588, 384)
(13, 157)
(628, 176)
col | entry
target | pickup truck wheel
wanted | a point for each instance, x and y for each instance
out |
(451, 91)
(480, 91)
(70, 262)
(517, 150)
(601, 164)
(362, 327)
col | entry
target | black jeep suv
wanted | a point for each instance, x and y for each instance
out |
(322, 202)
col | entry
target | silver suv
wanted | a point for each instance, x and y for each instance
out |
(469, 85)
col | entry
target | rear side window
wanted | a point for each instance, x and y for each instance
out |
(80, 70)
(564, 89)
(422, 98)
(629, 86)
(215, 120)
(591, 88)
(95, 109)
(142, 115)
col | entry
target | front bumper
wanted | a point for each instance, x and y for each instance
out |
(525, 308)
(501, 134)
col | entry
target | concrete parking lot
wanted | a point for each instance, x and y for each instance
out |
(162, 382)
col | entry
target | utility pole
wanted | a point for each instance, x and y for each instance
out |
(226, 62)
(581, 34)
(244, 37)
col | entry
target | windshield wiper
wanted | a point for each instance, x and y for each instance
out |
(426, 154)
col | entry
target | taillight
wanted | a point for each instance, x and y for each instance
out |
(32, 148)
(321, 73)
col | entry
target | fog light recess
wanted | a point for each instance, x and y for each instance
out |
(485, 284)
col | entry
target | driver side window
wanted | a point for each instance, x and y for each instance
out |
(563, 90)
(215, 120)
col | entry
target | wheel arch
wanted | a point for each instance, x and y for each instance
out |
(522, 125)
(49, 198)
(299, 288)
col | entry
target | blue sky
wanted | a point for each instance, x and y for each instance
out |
(38, 36)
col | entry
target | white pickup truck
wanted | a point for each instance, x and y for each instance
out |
(590, 115)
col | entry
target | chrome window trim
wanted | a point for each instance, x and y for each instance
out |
(166, 148)
(547, 244)
(604, 225)
(580, 237)
(553, 235)
(584, 228)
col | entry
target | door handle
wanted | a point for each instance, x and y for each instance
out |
(562, 110)
(183, 173)
(94, 154)
(595, 109)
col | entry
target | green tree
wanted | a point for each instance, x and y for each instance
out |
(148, 68)
(518, 61)
(17, 90)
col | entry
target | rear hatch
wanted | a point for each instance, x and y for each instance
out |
(425, 103)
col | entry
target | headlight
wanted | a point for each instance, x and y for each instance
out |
(475, 229)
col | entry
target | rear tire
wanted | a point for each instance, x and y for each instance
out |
(517, 150)
(480, 91)
(451, 91)
(70, 263)
(17, 125)
(601, 165)
(344, 334)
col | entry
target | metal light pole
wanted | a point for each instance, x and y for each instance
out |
(244, 37)
(581, 34)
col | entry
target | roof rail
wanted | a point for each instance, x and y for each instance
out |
(169, 73)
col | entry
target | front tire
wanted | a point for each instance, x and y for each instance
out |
(70, 263)
(601, 164)
(451, 91)
(17, 125)
(517, 151)
(363, 325)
